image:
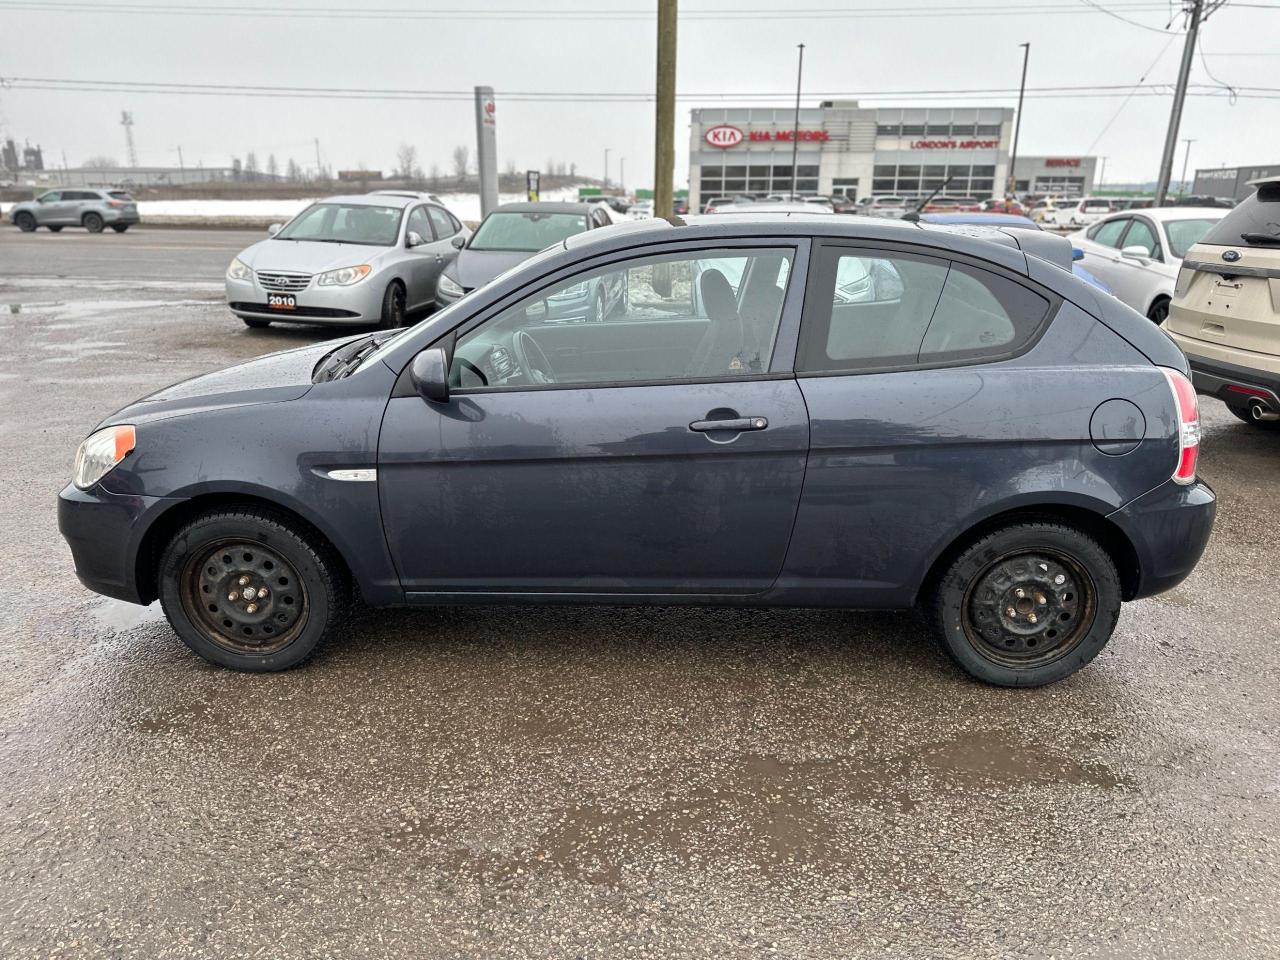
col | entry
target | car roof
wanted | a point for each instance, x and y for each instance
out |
(371, 200)
(772, 207)
(981, 219)
(544, 206)
(1179, 213)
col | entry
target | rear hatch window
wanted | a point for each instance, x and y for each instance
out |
(119, 195)
(1255, 222)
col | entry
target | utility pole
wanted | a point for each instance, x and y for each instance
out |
(181, 166)
(664, 122)
(126, 121)
(1102, 171)
(795, 130)
(1185, 158)
(605, 183)
(319, 169)
(1012, 186)
(622, 174)
(486, 149)
(1179, 96)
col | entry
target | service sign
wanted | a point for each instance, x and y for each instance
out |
(724, 136)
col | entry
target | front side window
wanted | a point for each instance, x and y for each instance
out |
(707, 314)
(889, 311)
(345, 223)
(526, 231)
(419, 224)
(53, 196)
(1141, 235)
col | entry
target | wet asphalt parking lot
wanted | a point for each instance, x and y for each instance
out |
(593, 782)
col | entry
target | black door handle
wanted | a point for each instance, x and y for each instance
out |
(736, 425)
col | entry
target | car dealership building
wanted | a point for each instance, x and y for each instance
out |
(842, 148)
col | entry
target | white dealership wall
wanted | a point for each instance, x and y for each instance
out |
(845, 148)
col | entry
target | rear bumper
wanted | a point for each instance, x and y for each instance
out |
(1169, 528)
(121, 217)
(104, 531)
(1232, 383)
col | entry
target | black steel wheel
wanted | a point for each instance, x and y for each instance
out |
(1028, 604)
(394, 306)
(24, 221)
(1159, 311)
(252, 590)
(93, 222)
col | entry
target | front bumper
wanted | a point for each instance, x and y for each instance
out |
(105, 532)
(1169, 528)
(359, 303)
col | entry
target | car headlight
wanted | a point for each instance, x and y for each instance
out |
(572, 292)
(100, 453)
(450, 287)
(343, 276)
(239, 270)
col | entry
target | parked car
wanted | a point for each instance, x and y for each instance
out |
(92, 209)
(841, 203)
(712, 205)
(640, 210)
(357, 259)
(1138, 254)
(1082, 213)
(409, 195)
(619, 205)
(1225, 312)
(809, 411)
(516, 231)
(1012, 220)
(1003, 206)
(890, 208)
(952, 205)
(1045, 210)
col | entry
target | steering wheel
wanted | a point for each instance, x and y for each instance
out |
(532, 359)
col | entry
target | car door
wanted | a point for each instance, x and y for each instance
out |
(666, 459)
(1138, 280)
(48, 208)
(445, 246)
(1101, 249)
(897, 363)
(422, 259)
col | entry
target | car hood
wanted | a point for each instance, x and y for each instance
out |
(308, 256)
(475, 268)
(275, 378)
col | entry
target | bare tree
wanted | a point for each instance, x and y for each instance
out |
(251, 166)
(511, 168)
(273, 168)
(406, 160)
(573, 169)
(102, 162)
(435, 175)
(461, 161)
(293, 173)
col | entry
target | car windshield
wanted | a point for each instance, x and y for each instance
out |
(1255, 221)
(1185, 234)
(361, 223)
(526, 231)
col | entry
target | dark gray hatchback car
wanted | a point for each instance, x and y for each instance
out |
(806, 411)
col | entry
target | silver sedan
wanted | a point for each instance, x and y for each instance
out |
(349, 260)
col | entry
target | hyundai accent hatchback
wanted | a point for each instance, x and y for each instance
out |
(789, 411)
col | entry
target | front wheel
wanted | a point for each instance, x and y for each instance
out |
(393, 306)
(93, 222)
(251, 590)
(1028, 605)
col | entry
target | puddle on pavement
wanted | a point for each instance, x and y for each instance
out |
(120, 616)
(993, 758)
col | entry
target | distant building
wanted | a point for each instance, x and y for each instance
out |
(14, 163)
(126, 176)
(1230, 182)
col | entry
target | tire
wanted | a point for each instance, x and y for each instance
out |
(1247, 415)
(204, 565)
(254, 324)
(57, 229)
(597, 313)
(24, 221)
(119, 227)
(1061, 588)
(92, 222)
(393, 306)
(1159, 311)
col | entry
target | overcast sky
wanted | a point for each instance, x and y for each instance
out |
(863, 54)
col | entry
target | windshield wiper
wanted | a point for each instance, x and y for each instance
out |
(354, 360)
(1259, 238)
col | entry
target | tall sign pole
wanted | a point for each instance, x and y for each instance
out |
(1179, 96)
(795, 130)
(664, 133)
(1011, 189)
(486, 149)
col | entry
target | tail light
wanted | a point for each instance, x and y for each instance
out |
(115, 203)
(1184, 397)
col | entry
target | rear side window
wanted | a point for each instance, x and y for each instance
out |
(1256, 218)
(440, 220)
(871, 311)
(1108, 232)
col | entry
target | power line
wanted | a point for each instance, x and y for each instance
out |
(1133, 23)
(1145, 73)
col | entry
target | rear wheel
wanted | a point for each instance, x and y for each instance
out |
(393, 306)
(93, 222)
(119, 227)
(24, 221)
(56, 229)
(1159, 311)
(251, 590)
(1028, 605)
(253, 324)
(1253, 415)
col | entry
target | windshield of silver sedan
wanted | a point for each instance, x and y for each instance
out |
(360, 223)
(526, 232)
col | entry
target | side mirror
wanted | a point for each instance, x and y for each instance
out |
(413, 239)
(430, 374)
(459, 242)
(1136, 253)
(1077, 253)
(274, 229)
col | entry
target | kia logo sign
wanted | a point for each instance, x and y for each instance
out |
(723, 136)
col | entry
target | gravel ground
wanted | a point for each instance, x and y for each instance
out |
(592, 782)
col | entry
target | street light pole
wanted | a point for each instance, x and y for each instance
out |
(664, 134)
(606, 168)
(1185, 158)
(795, 131)
(1102, 173)
(1012, 185)
(622, 174)
(1179, 97)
